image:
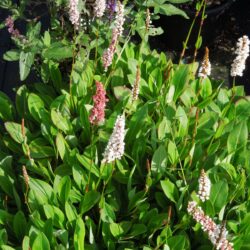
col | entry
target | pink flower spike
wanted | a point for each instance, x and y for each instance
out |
(108, 54)
(98, 112)
(217, 234)
(9, 23)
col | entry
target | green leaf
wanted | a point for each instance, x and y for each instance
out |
(25, 62)
(173, 154)
(138, 229)
(155, 31)
(26, 243)
(198, 42)
(5, 247)
(70, 211)
(89, 200)
(36, 106)
(5, 217)
(159, 160)
(58, 51)
(55, 75)
(169, 10)
(183, 121)
(206, 88)
(7, 111)
(135, 123)
(177, 242)
(7, 178)
(21, 101)
(121, 92)
(88, 163)
(41, 242)
(116, 230)
(46, 38)
(40, 192)
(219, 194)
(107, 213)
(84, 120)
(62, 146)
(38, 149)
(48, 227)
(19, 225)
(180, 79)
(238, 137)
(64, 187)
(164, 128)
(170, 190)
(60, 121)
(33, 31)
(243, 109)
(55, 214)
(136, 199)
(12, 55)
(79, 234)
(80, 176)
(15, 131)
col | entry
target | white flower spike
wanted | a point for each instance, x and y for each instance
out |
(204, 186)
(116, 145)
(242, 52)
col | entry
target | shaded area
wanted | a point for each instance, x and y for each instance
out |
(9, 71)
(220, 33)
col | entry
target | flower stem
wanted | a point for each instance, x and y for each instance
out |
(189, 33)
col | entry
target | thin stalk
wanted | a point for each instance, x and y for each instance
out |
(189, 33)
(73, 64)
(233, 90)
(26, 199)
(200, 28)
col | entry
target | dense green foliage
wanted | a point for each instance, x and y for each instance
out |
(56, 193)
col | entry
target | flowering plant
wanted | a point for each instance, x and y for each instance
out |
(141, 154)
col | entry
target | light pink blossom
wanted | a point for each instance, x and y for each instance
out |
(119, 19)
(9, 23)
(74, 13)
(108, 54)
(216, 233)
(115, 147)
(99, 8)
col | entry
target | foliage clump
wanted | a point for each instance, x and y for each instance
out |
(173, 174)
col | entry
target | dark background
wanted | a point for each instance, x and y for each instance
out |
(220, 33)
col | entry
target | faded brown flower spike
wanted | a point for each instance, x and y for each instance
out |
(26, 177)
(205, 69)
(136, 86)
